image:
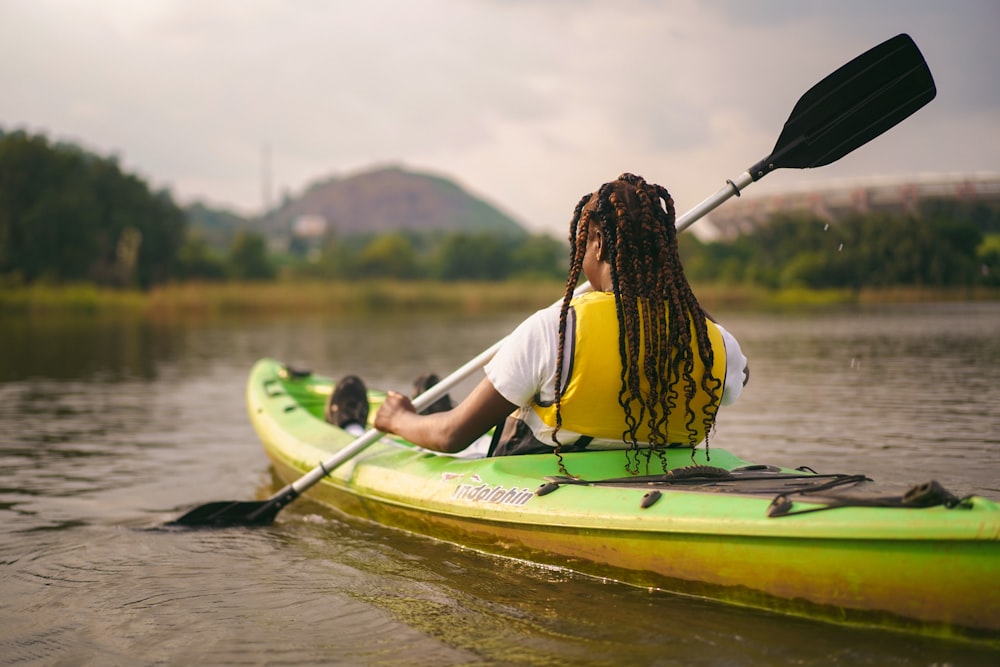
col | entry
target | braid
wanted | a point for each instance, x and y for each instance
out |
(659, 317)
(578, 246)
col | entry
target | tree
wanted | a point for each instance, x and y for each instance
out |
(389, 256)
(248, 258)
(198, 261)
(988, 254)
(540, 256)
(473, 257)
(69, 215)
(938, 248)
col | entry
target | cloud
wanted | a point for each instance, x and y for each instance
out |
(528, 104)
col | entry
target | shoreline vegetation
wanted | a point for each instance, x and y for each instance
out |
(182, 301)
(81, 238)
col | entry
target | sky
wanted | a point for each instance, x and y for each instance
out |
(528, 104)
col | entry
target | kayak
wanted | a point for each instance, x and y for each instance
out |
(787, 540)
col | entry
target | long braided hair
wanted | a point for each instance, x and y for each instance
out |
(657, 312)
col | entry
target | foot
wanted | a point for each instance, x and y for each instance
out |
(348, 403)
(425, 382)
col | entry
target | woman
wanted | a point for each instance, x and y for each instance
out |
(642, 367)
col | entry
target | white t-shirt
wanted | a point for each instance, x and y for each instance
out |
(525, 365)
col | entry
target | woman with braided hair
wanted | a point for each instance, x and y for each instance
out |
(640, 365)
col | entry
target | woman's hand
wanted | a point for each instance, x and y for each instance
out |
(448, 431)
(392, 408)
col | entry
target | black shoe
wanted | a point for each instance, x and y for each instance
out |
(425, 382)
(348, 403)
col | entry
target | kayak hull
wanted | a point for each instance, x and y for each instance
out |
(934, 568)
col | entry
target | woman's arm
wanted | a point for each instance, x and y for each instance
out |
(450, 431)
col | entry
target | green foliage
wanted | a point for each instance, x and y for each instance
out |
(248, 258)
(473, 257)
(197, 260)
(938, 248)
(449, 256)
(389, 256)
(216, 227)
(941, 247)
(338, 260)
(540, 256)
(722, 263)
(986, 218)
(988, 254)
(67, 215)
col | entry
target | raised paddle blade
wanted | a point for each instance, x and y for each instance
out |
(852, 106)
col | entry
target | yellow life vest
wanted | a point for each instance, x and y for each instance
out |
(590, 400)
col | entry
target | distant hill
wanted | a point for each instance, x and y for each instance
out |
(217, 227)
(373, 202)
(390, 199)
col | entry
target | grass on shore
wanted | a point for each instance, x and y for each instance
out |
(209, 300)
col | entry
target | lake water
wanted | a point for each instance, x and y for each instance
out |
(111, 427)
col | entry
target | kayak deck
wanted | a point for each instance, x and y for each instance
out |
(722, 528)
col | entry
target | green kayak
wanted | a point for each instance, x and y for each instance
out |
(786, 540)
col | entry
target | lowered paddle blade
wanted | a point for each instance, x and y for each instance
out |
(230, 513)
(220, 514)
(852, 106)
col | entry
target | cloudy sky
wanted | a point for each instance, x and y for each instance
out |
(527, 103)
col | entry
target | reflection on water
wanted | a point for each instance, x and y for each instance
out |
(110, 428)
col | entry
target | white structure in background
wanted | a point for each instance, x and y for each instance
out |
(836, 201)
(312, 226)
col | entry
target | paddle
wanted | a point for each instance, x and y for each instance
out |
(850, 107)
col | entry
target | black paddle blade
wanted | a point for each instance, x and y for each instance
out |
(229, 513)
(852, 106)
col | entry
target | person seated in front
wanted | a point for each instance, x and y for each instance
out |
(636, 364)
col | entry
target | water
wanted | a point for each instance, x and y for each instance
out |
(112, 427)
